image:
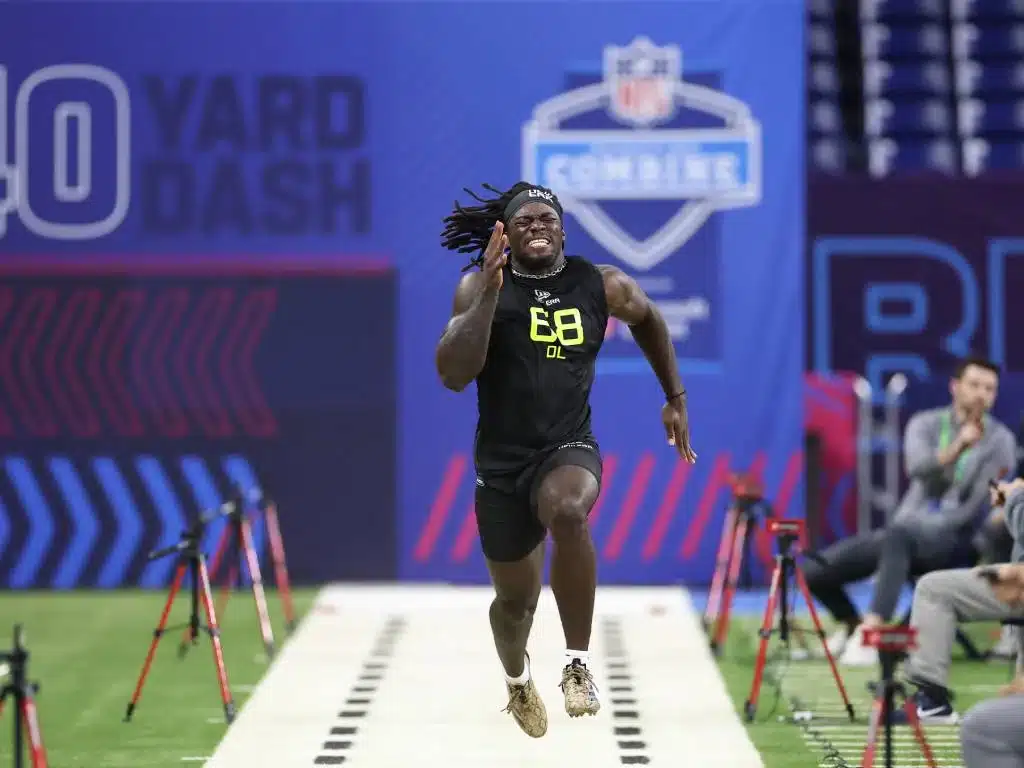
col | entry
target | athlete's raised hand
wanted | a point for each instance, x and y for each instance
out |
(495, 258)
(677, 428)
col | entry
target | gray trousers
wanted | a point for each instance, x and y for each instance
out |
(992, 735)
(941, 599)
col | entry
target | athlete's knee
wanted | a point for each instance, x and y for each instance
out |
(515, 608)
(567, 516)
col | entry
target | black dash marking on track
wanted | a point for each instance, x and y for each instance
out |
(625, 712)
(335, 751)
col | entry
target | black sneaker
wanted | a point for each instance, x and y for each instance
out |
(934, 707)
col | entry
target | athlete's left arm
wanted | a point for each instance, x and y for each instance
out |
(628, 302)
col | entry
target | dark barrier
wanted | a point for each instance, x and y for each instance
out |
(907, 274)
(129, 403)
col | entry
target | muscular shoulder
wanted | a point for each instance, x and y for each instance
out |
(466, 291)
(626, 301)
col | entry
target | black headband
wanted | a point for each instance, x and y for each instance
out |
(531, 195)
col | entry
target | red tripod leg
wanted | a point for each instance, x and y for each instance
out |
(226, 588)
(253, 564)
(874, 724)
(762, 648)
(735, 563)
(915, 723)
(801, 582)
(721, 567)
(280, 565)
(35, 735)
(179, 577)
(218, 650)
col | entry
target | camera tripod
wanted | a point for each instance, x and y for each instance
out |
(26, 718)
(191, 563)
(235, 547)
(733, 556)
(786, 570)
(892, 642)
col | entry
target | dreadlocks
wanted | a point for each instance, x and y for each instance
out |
(469, 229)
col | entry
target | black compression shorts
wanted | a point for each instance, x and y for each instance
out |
(506, 506)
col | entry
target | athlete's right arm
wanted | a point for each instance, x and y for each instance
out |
(462, 351)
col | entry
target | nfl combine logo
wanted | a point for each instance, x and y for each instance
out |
(651, 156)
(641, 79)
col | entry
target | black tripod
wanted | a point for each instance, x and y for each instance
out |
(192, 563)
(892, 643)
(23, 692)
(236, 547)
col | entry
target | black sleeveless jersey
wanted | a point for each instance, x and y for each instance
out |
(533, 393)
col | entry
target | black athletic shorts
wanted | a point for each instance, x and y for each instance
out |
(506, 506)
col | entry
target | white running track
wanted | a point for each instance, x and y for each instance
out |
(433, 692)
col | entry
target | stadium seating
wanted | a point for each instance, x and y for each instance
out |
(940, 83)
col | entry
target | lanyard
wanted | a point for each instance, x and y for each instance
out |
(945, 438)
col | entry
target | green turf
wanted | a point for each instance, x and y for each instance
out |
(87, 650)
(783, 744)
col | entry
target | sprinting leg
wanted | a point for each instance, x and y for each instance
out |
(517, 589)
(565, 497)
(513, 545)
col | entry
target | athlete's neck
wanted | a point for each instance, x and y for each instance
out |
(554, 268)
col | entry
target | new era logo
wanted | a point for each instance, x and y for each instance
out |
(541, 295)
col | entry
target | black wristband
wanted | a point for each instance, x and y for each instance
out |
(670, 398)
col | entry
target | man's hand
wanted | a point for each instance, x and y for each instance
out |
(997, 494)
(1007, 582)
(495, 258)
(1014, 688)
(969, 434)
(677, 427)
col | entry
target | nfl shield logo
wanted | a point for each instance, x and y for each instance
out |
(642, 76)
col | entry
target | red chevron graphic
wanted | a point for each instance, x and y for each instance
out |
(105, 364)
(196, 341)
(467, 534)
(74, 321)
(148, 362)
(666, 511)
(634, 497)
(440, 508)
(611, 463)
(6, 302)
(23, 384)
(716, 481)
(237, 364)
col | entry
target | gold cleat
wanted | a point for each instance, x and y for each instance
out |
(580, 690)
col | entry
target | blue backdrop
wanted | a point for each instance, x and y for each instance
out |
(336, 133)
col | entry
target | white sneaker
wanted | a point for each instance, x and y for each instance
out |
(1006, 646)
(837, 641)
(856, 654)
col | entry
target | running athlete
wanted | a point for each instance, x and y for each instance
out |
(527, 327)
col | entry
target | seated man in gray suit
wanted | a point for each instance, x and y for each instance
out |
(991, 735)
(951, 455)
(944, 598)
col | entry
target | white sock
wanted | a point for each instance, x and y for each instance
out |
(524, 678)
(582, 656)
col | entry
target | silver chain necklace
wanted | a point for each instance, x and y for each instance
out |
(531, 276)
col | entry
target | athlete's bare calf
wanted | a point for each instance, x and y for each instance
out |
(566, 496)
(517, 589)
